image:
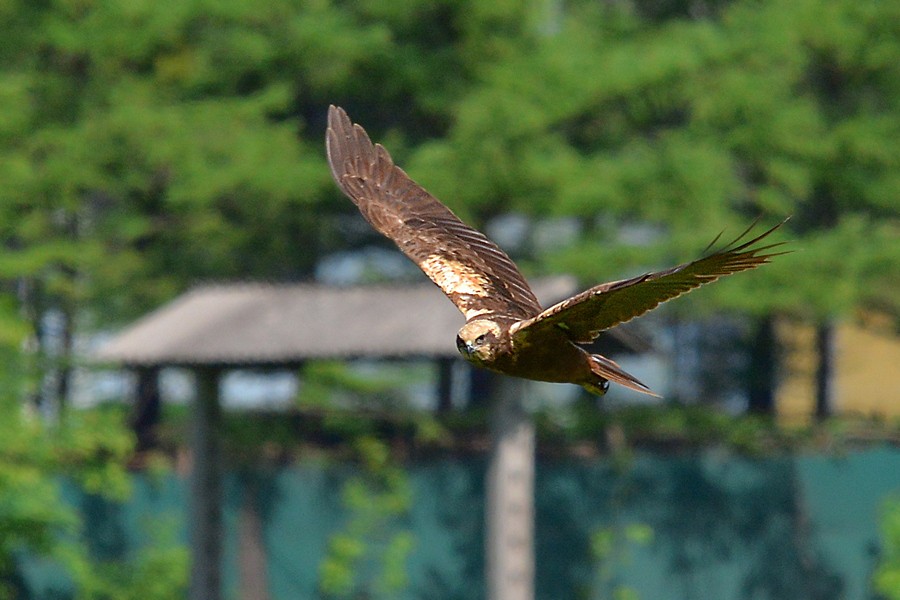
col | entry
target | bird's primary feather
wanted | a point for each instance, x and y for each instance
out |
(585, 315)
(476, 275)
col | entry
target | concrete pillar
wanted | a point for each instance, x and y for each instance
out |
(510, 496)
(205, 516)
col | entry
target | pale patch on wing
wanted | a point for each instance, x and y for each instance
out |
(468, 288)
(474, 272)
(454, 277)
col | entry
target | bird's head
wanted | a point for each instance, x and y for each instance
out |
(478, 341)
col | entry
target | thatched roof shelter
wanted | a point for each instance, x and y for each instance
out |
(258, 324)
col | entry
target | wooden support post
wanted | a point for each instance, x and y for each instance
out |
(206, 489)
(147, 409)
(252, 558)
(510, 497)
(445, 385)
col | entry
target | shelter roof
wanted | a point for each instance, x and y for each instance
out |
(259, 324)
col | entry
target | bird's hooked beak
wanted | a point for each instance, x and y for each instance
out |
(465, 348)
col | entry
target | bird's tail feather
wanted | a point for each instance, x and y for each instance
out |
(610, 370)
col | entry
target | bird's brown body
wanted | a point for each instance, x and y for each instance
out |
(556, 360)
(506, 329)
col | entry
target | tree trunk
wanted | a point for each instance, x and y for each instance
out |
(42, 396)
(32, 307)
(510, 497)
(763, 367)
(824, 370)
(64, 361)
(206, 489)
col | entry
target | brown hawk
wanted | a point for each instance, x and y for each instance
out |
(506, 329)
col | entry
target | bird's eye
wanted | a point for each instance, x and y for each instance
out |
(479, 340)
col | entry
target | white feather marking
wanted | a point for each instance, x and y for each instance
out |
(454, 277)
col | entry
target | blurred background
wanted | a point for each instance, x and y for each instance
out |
(147, 147)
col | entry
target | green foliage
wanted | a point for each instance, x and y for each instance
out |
(365, 387)
(34, 520)
(368, 556)
(619, 431)
(694, 125)
(92, 450)
(886, 578)
(93, 447)
(155, 131)
(611, 549)
(157, 571)
(89, 448)
(328, 383)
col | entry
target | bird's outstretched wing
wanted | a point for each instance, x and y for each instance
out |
(585, 315)
(475, 274)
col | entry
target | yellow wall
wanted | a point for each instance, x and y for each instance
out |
(867, 364)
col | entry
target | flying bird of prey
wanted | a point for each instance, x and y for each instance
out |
(506, 329)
